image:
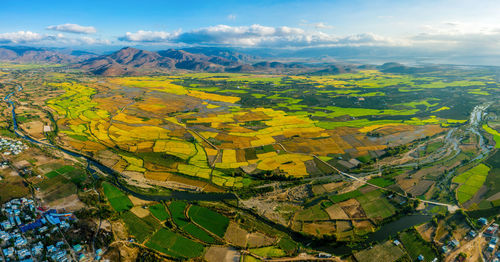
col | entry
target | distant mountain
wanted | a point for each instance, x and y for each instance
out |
(23, 54)
(224, 53)
(132, 61)
(398, 68)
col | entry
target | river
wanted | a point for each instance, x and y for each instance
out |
(338, 248)
(177, 195)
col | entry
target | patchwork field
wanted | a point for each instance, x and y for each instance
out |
(470, 182)
(214, 125)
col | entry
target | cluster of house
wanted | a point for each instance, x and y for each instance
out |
(30, 233)
(491, 234)
(11, 147)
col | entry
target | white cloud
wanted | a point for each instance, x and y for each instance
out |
(231, 17)
(73, 28)
(20, 37)
(322, 25)
(256, 36)
(148, 36)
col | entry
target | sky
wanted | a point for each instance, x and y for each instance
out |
(460, 26)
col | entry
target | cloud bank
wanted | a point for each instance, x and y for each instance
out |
(73, 28)
(256, 36)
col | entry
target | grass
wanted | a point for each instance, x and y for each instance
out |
(287, 245)
(177, 210)
(415, 246)
(159, 211)
(381, 182)
(345, 196)
(376, 205)
(139, 228)
(172, 244)
(496, 135)
(210, 220)
(382, 252)
(118, 200)
(315, 212)
(270, 251)
(470, 182)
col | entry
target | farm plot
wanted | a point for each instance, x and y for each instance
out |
(208, 219)
(496, 135)
(177, 209)
(159, 211)
(172, 244)
(118, 200)
(140, 228)
(416, 246)
(376, 205)
(470, 182)
(386, 252)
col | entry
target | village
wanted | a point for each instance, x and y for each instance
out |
(33, 233)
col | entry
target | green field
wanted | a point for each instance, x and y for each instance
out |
(172, 244)
(140, 228)
(470, 182)
(376, 205)
(345, 196)
(496, 135)
(315, 212)
(118, 200)
(208, 219)
(386, 252)
(381, 182)
(57, 187)
(271, 251)
(159, 211)
(177, 210)
(415, 246)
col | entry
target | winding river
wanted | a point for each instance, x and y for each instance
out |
(338, 248)
(177, 195)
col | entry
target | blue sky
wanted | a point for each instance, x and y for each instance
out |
(441, 24)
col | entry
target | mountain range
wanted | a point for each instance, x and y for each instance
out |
(133, 61)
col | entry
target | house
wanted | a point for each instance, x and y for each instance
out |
(324, 255)
(8, 252)
(420, 257)
(490, 248)
(23, 253)
(51, 249)
(490, 231)
(494, 240)
(482, 221)
(6, 225)
(396, 242)
(19, 242)
(444, 249)
(454, 243)
(472, 234)
(77, 248)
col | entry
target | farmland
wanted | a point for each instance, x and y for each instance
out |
(470, 182)
(119, 201)
(303, 159)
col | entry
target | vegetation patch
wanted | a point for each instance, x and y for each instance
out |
(470, 182)
(118, 200)
(208, 219)
(172, 244)
(416, 246)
